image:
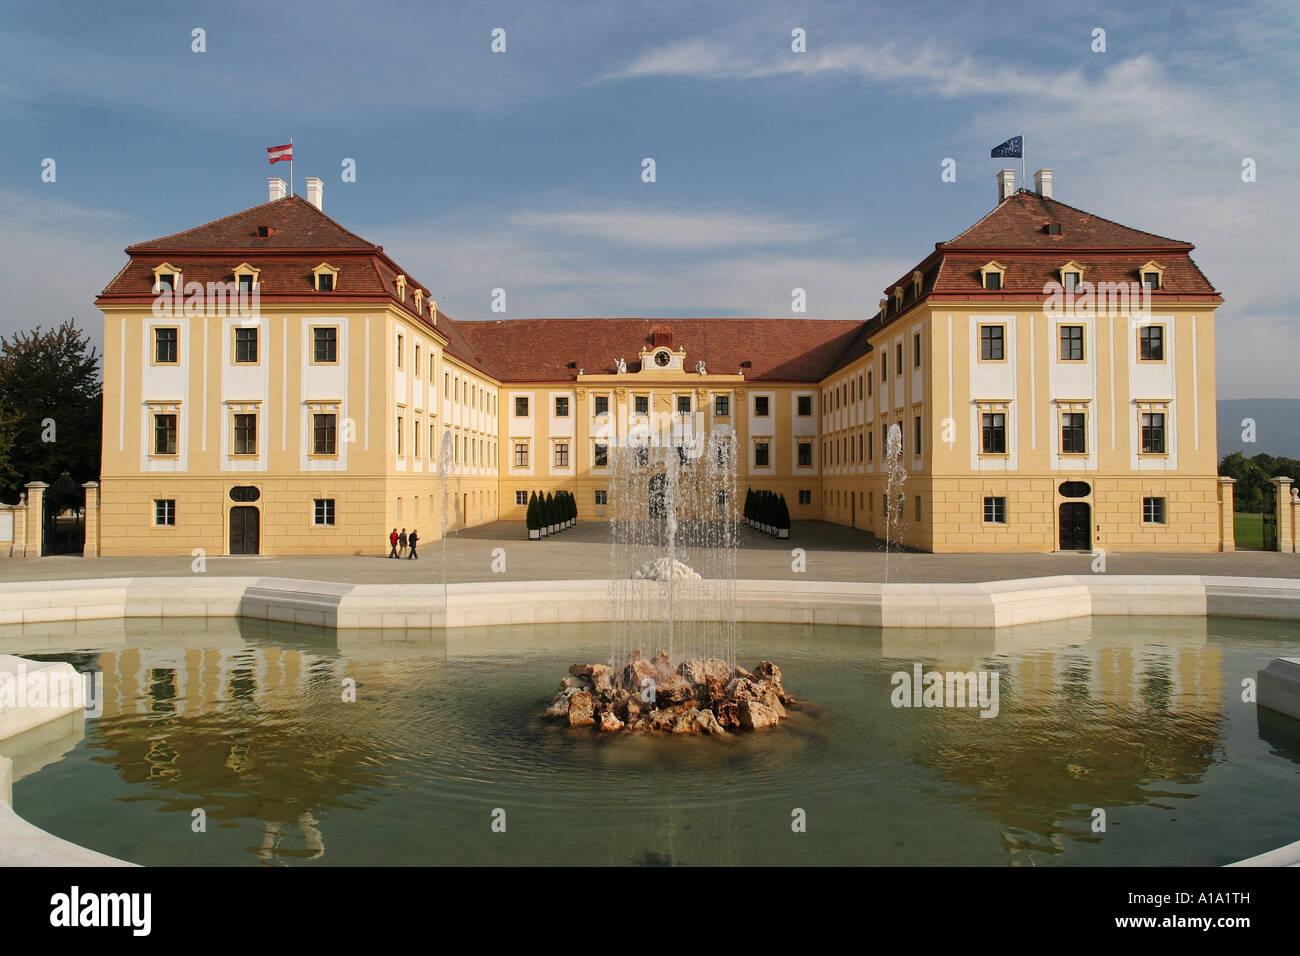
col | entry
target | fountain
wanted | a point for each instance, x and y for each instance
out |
(896, 475)
(674, 530)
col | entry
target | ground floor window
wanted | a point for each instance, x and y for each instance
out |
(324, 508)
(561, 454)
(602, 497)
(995, 510)
(164, 512)
(521, 497)
(760, 454)
(805, 497)
(521, 455)
(1153, 510)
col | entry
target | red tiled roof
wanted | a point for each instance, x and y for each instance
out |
(540, 350)
(1020, 221)
(295, 224)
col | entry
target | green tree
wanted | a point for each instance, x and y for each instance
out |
(50, 389)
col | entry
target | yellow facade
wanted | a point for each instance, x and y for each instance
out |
(1023, 429)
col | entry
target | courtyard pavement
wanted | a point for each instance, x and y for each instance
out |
(833, 553)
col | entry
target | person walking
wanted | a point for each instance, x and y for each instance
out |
(401, 544)
(392, 540)
(413, 540)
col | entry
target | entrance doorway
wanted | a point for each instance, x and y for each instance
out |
(1076, 526)
(245, 530)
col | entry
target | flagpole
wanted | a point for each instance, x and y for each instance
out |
(1023, 183)
(291, 165)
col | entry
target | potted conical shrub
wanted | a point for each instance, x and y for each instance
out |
(550, 513)
(782, 518)
(533, 518)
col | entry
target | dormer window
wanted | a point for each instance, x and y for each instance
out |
(419, 300)
(1071, 275)
(401, 287)
(884, 307)
(898, 298)
(264, 232)
(917, 280)
(166, 277)
(1153, 276)
(325, 278)
(1053, 228)
(991, 275)
(246, 277)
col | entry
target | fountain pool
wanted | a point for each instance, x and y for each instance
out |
(247, 721)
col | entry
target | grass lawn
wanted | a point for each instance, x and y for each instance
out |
(1249, 531)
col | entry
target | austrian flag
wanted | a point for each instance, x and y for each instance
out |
(275, 154)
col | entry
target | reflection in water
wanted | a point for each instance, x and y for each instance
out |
(253, 725)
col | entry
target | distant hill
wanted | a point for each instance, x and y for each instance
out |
(1277, 426)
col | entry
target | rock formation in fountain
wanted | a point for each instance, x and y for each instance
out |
(664, 569)
(648, 696)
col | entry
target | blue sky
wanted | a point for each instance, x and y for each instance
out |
(522, 170)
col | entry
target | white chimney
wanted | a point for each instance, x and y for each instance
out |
(1043, 183)
(276, 189)
(1006, 183)
(315, 191)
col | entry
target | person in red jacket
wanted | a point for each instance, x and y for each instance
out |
(392, 540)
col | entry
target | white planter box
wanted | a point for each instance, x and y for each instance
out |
(783, 533)
(534, 534)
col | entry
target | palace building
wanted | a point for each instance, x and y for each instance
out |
(276, 384)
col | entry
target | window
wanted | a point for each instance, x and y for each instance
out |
(722, 406)
(245, 434)
(1153, 510)
(246, 345)
(164, 434)
(1151, 339)
(431, 358)
(400, 430)
(521, 406)
(561, 406)
(898, 358)
(805, 405)
(916, 350)
(916, 431)
(1151, 280)
(244, 282)
(995, 510)
(805, 454)
(323, 428)
(521, 454)
(600, 456)
(992, 346)
(871, 390)
(325, 345)
(993, 280)
(1070, 280)
(600, 404)
(561, 454)
(1072, 343)
(994, 433)
(415, 438)
(324, 512)
(683, 404)
(521, 497)
(805, 497)
(884, 367)
(164, 512)
(166, 282)
(642, 404)
(760, 406)
(760, 454)
(871, 446)
(164, 342)
(1073, 440)
(324, 282)
(417, 361)
(1153, 433)
(602, 497)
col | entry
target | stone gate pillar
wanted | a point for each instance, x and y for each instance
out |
(1227, 506)
(17, 547)
(91, 547)
(1284, 513)
(35, 542)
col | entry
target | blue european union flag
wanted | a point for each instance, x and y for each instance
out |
(1011, 147)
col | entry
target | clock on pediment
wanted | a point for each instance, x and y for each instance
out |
(663, 357)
